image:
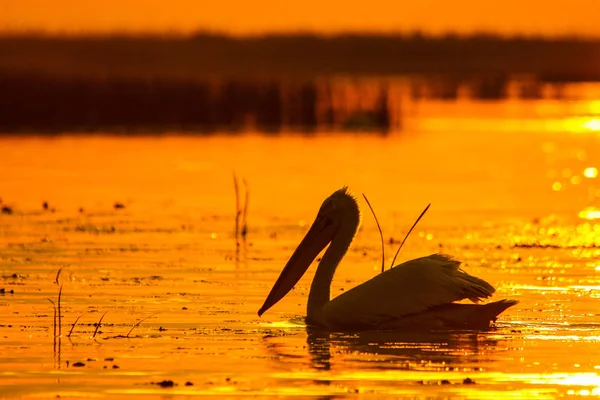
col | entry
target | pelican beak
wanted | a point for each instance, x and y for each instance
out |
(317, 238)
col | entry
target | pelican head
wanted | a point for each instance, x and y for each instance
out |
(335, 212)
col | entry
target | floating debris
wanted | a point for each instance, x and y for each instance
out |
(165, 383)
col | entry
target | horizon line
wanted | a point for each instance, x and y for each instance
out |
(400, 34)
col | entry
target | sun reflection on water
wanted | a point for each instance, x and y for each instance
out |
(592, 124)
(573, 124)
(590, 172)
(590, 213)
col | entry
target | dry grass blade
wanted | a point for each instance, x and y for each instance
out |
(54, 336)
(98, 325)
(138, 324)
(409, 231)
(59, 312)
(58, 275)
(73, 326)
(237, 208)
(245, 210)
(380, 234)
(53, 306)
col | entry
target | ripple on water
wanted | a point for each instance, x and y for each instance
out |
(179, 298)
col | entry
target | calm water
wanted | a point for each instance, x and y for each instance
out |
(514, 193)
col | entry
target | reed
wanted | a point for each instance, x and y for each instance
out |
(409, 231)
(54, 323)
(245, 209)
(98, 325)
(241, 212)
(59, 315)
(238, 211)
(138, 324)
(380, 233)
(73, 326)
(57, 275)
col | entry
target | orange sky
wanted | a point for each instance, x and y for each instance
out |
(257, 16)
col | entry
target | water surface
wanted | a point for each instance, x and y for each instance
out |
(514, 197)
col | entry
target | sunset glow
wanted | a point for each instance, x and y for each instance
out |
(241, 17)
(184, 212)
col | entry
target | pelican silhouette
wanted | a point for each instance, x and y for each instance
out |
(417, 294)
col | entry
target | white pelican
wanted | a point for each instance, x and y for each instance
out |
(417, 294)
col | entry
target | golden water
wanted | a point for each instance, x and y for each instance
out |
(513, 198)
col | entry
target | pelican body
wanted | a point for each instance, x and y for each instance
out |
(417, 294)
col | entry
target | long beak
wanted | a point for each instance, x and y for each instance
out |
(318, 236)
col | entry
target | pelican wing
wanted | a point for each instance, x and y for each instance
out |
(408, 288)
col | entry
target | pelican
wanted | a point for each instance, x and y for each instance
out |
(417, 294)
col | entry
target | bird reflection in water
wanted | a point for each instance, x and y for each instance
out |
(432, 351)
(396, 350)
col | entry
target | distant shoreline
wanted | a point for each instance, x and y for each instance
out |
(271, 83)
(563, 59)
(32, 33)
